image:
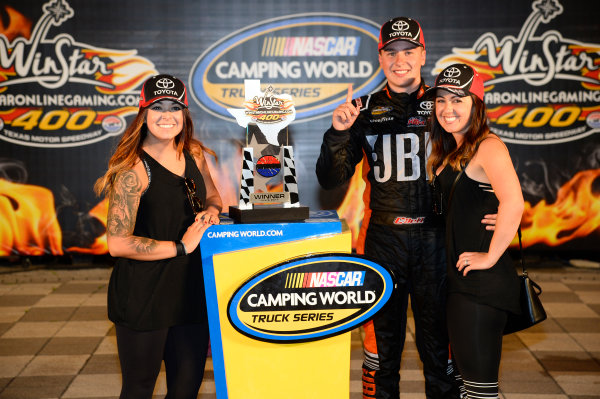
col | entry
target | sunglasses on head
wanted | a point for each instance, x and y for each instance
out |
(190, 188)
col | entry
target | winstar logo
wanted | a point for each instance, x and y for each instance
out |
(57, 92)
(541, 88)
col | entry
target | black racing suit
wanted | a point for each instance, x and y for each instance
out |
(399, 231)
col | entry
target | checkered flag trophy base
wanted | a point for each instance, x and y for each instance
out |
(288, 211)
(289, 178)
(247, 179)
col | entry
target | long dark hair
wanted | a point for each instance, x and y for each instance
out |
(443, 144)
(129, 149)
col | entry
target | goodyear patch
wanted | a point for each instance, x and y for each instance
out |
(380, 110)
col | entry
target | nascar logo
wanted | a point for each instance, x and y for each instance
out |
(326, 279)
(285, 53)
(309, 298)
(310, 46)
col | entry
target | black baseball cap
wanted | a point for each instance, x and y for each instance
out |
(401, 28)
(160, 87)
(460, 79)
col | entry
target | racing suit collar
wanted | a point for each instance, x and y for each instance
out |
(405, 96)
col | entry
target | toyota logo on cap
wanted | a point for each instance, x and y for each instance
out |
(459, 79)
(401, 28)
(452, 72)
(400, 25)
(165, 83)
(163, 87)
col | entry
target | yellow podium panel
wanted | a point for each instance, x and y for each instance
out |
(246, 367)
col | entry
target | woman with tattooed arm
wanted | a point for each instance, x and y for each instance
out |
(161, 201)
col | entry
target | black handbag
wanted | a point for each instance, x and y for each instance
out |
(532, 311)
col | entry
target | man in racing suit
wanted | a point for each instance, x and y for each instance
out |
(399, 230)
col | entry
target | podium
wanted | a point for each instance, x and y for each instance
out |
(246, 367)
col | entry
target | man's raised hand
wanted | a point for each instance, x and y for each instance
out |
(346, 113)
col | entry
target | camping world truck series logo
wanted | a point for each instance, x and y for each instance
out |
(57, 92)
(314, 69)
(309, 298)
(541, 88)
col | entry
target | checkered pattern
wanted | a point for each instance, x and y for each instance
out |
(247, 179)
(56, 341)
(290, 184)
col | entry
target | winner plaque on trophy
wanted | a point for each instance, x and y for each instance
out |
(268, 185)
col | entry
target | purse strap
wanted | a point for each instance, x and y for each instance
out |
(535, 286)
(521, 252)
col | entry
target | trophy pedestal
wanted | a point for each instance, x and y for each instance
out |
(268, 214)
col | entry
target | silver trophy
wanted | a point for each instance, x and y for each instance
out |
(268, 185)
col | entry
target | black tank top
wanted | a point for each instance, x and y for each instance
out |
(471, 200)
(150, 295)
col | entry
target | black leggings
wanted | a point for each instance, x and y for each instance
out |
(475, 332)
(183, 348)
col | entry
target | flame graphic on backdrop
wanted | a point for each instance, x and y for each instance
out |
(100, 245)
(28, 223)
(574, 214)
(352, 207)
(18, 25)
(226, 178)
(469, 57)
(128, 70)
(590, 73)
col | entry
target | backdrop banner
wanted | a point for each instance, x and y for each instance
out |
(71, 72)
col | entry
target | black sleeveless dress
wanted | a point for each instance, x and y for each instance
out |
(150, 295)
(471, 200)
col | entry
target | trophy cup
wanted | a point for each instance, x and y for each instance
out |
(268, 185)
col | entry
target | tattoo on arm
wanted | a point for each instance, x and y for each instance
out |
(143, 245)
(122, 212)
(123, 204)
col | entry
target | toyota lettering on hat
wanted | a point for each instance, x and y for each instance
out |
(162, 87)
(401, 28)
(460, 79)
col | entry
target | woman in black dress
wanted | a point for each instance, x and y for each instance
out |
(161, 200)
(483, 284)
